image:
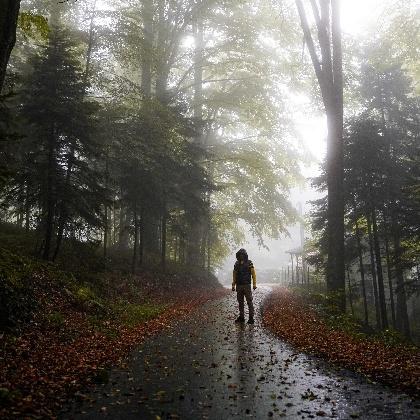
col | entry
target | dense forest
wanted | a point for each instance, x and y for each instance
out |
(141, 142)
(153, 128)
(164, 133)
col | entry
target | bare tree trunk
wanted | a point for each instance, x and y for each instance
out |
(114, 224)
(141, 245)
(60, 232)
(163, 234)
(362, 273)
(390, 285)
(350, 292)
(136, 240)
(196, 254)
(381, 290)
(330, 79)
(106, 230)
(9, 12)
(373, 269)
(401, 317)
(27, 209)
(50, 197)
(90, 43)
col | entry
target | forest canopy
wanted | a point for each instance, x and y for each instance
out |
(170, 125)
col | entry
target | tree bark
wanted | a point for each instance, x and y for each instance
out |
(106, 230)
(9, 12)
(163, 236)
(350, 295)
(90, 44)
(362, 273)
(141, 245)
(381, 290)
(136, 239)
(401, 316)
(197, 225)
(27, 208)
(390, 285)
(373, 270)
(50, 195)
(330, 79)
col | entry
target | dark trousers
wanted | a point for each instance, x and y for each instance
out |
(245, 291)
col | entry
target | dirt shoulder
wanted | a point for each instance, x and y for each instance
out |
(292, 318)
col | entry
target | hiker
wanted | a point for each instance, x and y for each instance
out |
(242, 273)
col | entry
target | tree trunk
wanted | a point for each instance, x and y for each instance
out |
(136, 239)
(373, 269)
(330, 79)
(106, 230)
(401, 316)
(50, 199)
(63, 207)
(114, 224)
(90, 44)
(141, 244)
(381, 290)
(27, 209)
(362, 273)
(390, 285)
(197, 222)
(163, 233)
(9, 12)
(350, 295)
(60, 232)
(123, 234)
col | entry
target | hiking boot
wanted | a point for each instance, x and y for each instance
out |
(240, 319)
(250, 321)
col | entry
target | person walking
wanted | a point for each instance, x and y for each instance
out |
(243, 271)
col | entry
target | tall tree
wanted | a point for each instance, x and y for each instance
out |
(67, 185)
(9, 13)
(329, 73)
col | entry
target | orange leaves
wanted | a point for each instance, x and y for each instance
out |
(47, 363)
(291, 318)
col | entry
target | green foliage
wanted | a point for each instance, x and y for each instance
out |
(176, 157)
(33, 25)
(392, 337)
(132, 314)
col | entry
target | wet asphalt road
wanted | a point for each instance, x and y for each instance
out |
(207, 367)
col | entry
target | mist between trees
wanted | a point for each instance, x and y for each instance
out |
(150, 129)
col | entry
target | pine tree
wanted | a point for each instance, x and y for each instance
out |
(63, 186)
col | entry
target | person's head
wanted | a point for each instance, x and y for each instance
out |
(242, 255)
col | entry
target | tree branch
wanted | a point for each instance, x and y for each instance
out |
(337, 54)
(311, 47)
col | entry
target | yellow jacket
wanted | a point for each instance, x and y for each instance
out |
(253, 274)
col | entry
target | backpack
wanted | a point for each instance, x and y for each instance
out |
(243, 272)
